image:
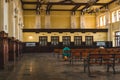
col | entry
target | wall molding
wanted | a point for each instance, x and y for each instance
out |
(65, 30)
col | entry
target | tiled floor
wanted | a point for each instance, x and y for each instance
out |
(45, 66)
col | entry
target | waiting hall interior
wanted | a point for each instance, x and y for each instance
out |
(59, 39)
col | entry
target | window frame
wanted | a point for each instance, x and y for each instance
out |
(43, 40)
(65, 41)
(79, 40)
(117, 38)
(87, 42)
(54, 40)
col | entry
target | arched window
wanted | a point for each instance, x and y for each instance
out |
(117, 39)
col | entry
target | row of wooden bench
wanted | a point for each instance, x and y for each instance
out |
(108, 57)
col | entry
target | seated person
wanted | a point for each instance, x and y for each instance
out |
(66, 53)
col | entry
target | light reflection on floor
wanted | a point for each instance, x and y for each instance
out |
(45, 66)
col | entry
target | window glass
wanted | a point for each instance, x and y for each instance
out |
(118, 15)
(66, 40)
(117, 39)
(77, 40)
(104, 20)
(43, 40)
(113, 19)
(54, 40)
(89, 40)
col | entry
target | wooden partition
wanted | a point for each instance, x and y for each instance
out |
(12, 49)
(17, 48)
(3, 49)
(20, 48)
(50, 48)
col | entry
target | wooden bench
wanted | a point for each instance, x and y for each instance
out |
(107, 59)
(58, 52)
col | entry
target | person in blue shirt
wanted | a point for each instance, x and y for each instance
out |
(66, 53)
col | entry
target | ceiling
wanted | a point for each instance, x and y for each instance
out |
(65, 5)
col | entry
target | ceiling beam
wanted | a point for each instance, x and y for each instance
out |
(49, 7)
(108, 4)
(88, 5)
(76, 7)
(29, 2)
(62, 1)
(67, 1)
(51, 10)
(61, 10)
(56, 3)
(29, 9)
(53, 3)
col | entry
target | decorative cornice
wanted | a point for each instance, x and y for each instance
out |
(65, 30)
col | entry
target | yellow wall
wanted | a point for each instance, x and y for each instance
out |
(29, 21)
(90, 21)
(99, 36)
(59, 19)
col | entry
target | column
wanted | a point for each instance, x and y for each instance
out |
(11, 18)
(11, 30)
(4, 16)
(38, 20)
(11, 44)
(1, 15)
(47, 20)
(97, 22)
(73, 20)
(107, 21)
(3, 33)
(107, 16)
(82, 21)
(16, 26)
(21, 27)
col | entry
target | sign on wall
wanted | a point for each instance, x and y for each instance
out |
(30, 44)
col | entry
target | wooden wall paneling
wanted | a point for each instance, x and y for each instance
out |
(49, 48)
(20, 48)
(3, 49)
(12, 49)
(17, 48)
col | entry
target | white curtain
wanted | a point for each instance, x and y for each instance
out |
(82, 21)
(47, 21)
(38, 21)
(73, 21)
